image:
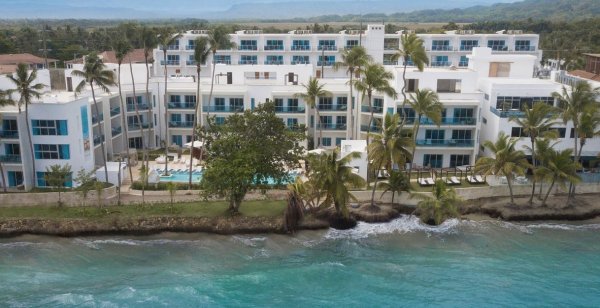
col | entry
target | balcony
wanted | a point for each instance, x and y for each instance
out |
(332, 126)
(190, 47)
(499, 48)
(301, 47)
(116, 131)
(95, 118)
(373, 129)
(325, 63)
(391, 47)
(327, 47)
(332, 107)
(170, 62)
(98, 139)
(181, 124)
(9, 134)
(387, 62)
(288, 109)
(508, 113)
(440, 63)
(131, 107)
(247, 62)
(10, 159)
(273, 47)
(115, 111)
(193, 63)
(247, 47)
(178, 105)
(467, 48)
(173, 47)
(274, 62)
(137, 126)
(228, 108)
(445, 121)
(228, 62)
(376, 109)
(524, 48)
(300, 62)
(452, 143)
(442, 48)
(463, 63)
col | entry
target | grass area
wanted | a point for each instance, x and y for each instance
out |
(464, 184)
(188, 209)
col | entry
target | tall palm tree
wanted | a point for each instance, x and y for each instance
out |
(313, 90)
(149, 42)
(441, 205)
(396, 183)
(560, 168)
(201, 52)
(336, 177)
(353, 60)
(95, 73)
(121, 48)
(574, 105)
(5, 100)
(218, 39)
(506, 161)
(387, 148)
(536, 122)
(588, 128)
(425, 103)
(412, 50)
(543, 148)
(165, 38)
(27, 90)
(375, 79)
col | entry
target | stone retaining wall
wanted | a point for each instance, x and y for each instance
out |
(70, 198)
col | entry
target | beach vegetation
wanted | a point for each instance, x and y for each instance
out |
(57, 177)
(441, 205)
(313, 90)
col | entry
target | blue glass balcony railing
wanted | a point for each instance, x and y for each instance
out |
(373, 129)
(463, 63)
(376, 109)
(499, 48)
(98, 139)
(95, 118)
(287, 109)
(247, 47)
(524, 48)
(332, 126)
(442, 48)
(115, 111)
(467, 47)
(325, 63)
(332, 107)
(300, 62)
(273, 47)
(190, 47)
(440, 63)
(274, 62)
(178, 105)
(169, 62)
(131, 107)
(507, 113)
(228, 62)
(246, 62)
(454, 143)
(9, 134)
(173, 47)
(225, 108)
(386, 62)
(116, 130)
(327, 47)
(181, 124)
(300, 47)
(15, 159)
(137, 126)
(445, 121)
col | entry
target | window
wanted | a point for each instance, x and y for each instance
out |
(448, 85)
(219, 104)
(135, 142)
(461, 134)
(300, 45)
(15, 178)
(51, 151)
(312, 121)
(175, 99)
(41, 180)
(457, 160)
(378, 104)
(9, 127)
(292, 123)
(219, 120)
(293, 103)
(388, 59)
(438, 61)
(497, 45)
(463, 116)
(499, 69)
(327, 45)
(561, 131)
(177, 139)
(341, 121)
(464, 61)
(247, 45)
(12, 149)
(189, 119)
(326, 141)
(518, 102)
(572, 134)
(412, 85)
(351, 43)
(325, 103)
(300, 60)
(409, 113)
(236, 104)
(433, 160)
(434, 136)
(342, 101)
(171, 60)
(468, 45)
(517, 132)
(523, 45)
(246, 59)
(338, 141)
(176, 117)
(49, 127)
(274, 45)
(190, 99)
(278, 104)
(326, 60)
(441, 45)
(276, 60)
(222, 59)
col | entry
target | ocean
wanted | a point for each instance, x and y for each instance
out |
(398, 264)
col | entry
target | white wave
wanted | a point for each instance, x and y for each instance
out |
(404, 224)
(18, 244)
(566, 227)
(95, 244)
(249, 241)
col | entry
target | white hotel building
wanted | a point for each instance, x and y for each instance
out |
(470, 82)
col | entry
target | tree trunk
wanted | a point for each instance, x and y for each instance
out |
(371, 118)
(548, 193)
(4, 184)
(416, 127)
(319, 124)
(212, 83)
(508, 181)
(349, 113)
(375, 185)
(151, 117)
(31, 142)
(101, 128)
(393, 194)
(403, 91)
(124, 123)
(194, 125)
(166, 172)
(533, 170)
(572, 185)
(139, 119)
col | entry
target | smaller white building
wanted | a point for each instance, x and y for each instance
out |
(360, 164)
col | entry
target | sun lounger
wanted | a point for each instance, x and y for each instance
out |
(471, 179)
(422, 182)
(455, 180)
(430, 181)
(479, 179)
(160, 160)
(447, 181)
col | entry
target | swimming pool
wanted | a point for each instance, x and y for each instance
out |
(182, 176)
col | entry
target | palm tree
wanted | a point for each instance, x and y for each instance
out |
(149, 42)
(588, 128)
(440, 206)
(375, 79)
(95, 73)
(5, 100)
(313, 90)
(218, 39)
(425, 103)
(27, 90)
(387, 148)
(396, 183)
(560, 168)
(201, 52)
(412, 50)
(536, 122)
(543, 148)
(580, 101)
(121, 48)
(166, 38)
(354, 60)
(506, 161)
(335, 176)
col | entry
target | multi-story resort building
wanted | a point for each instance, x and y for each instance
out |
(475, 76)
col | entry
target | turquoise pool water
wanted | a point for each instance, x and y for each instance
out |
(402, 263)
(183, 176)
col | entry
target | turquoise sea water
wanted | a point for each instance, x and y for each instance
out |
(402, 263)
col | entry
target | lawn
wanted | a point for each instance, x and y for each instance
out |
(188, 209)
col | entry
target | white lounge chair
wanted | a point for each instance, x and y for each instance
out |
(160, 160)
(479, 179)
(430, 181)
(455, 180)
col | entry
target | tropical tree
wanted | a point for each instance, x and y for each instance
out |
(560, 168)
(149, 42)
(588, 128)
(27, 90)
(387, 148)
(441, 205)
(313, 90)
(165, 39)
(413, 51)
(121, 48)
(507, 161)
(375, 79)
(397, 182)
(353, 59)
(85, 180)
(201, 52)
(536, 122)
(57, 176)
(543, 149)
(5, 100)
(574, 105)
(95, 73)
(172, 188)
(218, 39)
(309, 192)
(425, 103)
